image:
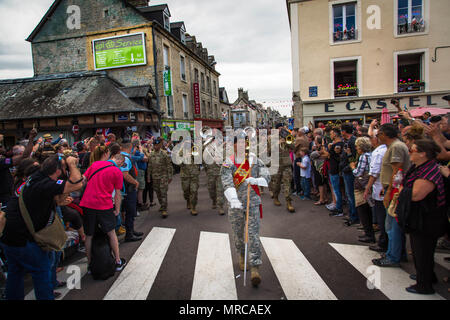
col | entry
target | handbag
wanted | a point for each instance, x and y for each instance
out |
(51, 238)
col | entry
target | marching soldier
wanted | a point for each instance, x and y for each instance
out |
(215, 186)
(160, 169)
(189, 174)
(235, 179)
(284, 174)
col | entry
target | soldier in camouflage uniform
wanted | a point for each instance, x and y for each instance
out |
(189, 174)
(160, 169)
(237, 199)
(283, 175)
(215, 186)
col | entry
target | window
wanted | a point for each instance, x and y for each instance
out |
(203, 111)
(182, 68)
(169, 102)
(209, 110)
(166, 22)
(208, 84)
(410, 16)
(183, 37)
(410, 72)
(202, 85)
(196, 75)
(216, 112)
(166, 57)
(185, 106)
(215, 88)
(345, 78)
(344, 22)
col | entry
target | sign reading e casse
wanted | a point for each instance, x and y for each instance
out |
(120, 51)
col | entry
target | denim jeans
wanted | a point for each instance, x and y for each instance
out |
(397, 240)
(306, 187)
(334, 179)
(130, 212)
(349, 181)
(55, 257)
(29, 259)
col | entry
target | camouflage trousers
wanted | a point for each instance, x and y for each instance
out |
(215, 189)
(237, 220)
(283, 177)
(190, 189)
(161, 186)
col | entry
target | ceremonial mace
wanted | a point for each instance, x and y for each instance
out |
(246, 217)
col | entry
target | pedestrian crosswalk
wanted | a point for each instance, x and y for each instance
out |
(215, 277)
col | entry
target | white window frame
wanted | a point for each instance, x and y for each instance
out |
(185, 103)
(166, 56)
(358, 18)
(425, 14)
(166, 19)
(425, 67)
(358, 74)
(183, 66)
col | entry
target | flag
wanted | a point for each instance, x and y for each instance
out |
(106, 131)
(385, 118)
(148, 134)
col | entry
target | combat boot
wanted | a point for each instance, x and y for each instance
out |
(194, 211)
(255, 277)
(164, 214)
(188, 205)
(242, 262)
(276, 201)
(289, 206)
(271, 194)
(221, 211)
(214, 206)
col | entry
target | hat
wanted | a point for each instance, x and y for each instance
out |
(447, 97)
(157, 141)
(47, 136)
(305, 129)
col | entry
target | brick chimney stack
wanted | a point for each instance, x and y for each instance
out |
(139, 3)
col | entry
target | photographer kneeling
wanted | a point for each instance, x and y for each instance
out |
(41, 193)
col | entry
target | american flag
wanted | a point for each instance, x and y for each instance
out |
(148, 135)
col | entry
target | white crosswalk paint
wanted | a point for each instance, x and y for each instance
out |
(136, 280)
(214, 275)
(391, 281)
(296, 275)
(79, 266)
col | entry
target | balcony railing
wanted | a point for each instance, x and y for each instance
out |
(346, 92)
(405, 28)
(345, 35)
(411, 87)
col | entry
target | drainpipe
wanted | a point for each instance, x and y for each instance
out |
(155, 62)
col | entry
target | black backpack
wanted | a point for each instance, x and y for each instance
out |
(103, 263)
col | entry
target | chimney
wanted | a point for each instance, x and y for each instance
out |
(139, 3)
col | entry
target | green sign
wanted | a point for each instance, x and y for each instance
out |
(167, 80)
(119, 52)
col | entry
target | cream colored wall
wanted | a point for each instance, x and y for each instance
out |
(377, 48)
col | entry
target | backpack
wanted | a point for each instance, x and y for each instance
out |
(103, 263)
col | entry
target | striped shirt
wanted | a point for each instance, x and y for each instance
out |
(363, 165)
(428, 171)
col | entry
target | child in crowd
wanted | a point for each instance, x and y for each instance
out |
(305, 173)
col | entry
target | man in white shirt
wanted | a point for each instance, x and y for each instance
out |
(375, 189)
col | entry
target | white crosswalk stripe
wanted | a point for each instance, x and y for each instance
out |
(391, 281)
(214, 275)
(296, 275)
(136, 280)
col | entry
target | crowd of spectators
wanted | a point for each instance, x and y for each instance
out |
(96, 184)
(392, 180)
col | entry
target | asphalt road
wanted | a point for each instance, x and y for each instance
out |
(310, 228)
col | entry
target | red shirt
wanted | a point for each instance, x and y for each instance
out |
(99, 189)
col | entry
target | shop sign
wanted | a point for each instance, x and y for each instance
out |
(167, 80)
(196, 99)
(184, 125)
(119, 51)
(313, 91)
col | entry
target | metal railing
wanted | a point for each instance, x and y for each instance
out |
(339, 36)
(411, 27)
(346, 92)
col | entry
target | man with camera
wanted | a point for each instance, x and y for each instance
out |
(41, 193)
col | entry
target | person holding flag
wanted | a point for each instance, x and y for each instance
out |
(237, 173)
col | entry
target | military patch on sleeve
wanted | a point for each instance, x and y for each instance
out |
(226, 165)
